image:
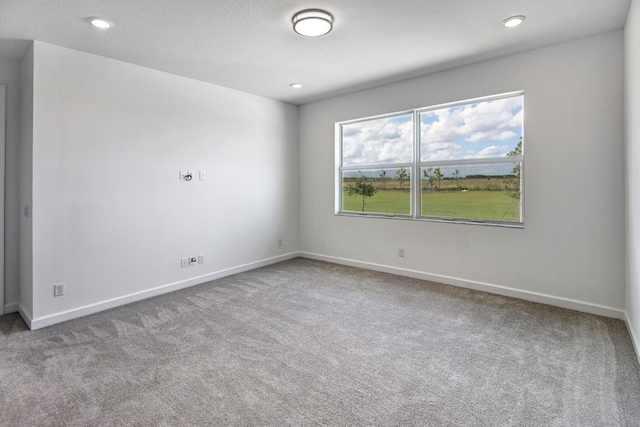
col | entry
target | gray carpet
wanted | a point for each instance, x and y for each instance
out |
(310, 343)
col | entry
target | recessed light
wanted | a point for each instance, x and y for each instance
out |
(100, 22)
(514, 21)
(312, 22)
(296, 85)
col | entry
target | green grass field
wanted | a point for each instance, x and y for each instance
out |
(383, 202)
(476, 205)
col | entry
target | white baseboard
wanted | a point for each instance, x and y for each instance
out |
(52, 319)
(572, 304)
(569, 303)
(11, 308)
(634, 337)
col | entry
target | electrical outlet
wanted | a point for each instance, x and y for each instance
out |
(184, 262)
(201, 259)
(279, 242)
(58, 290)
(401, 252)
(193, 260)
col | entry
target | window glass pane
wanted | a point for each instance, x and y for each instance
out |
(381, 191)
(379, 141)
(472, 131)
(489, 192)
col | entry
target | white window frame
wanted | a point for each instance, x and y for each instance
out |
(416, 165)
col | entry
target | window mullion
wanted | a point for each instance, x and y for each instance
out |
(375, 167)
(478, 160)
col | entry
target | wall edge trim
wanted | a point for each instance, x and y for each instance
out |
(26, 316)
(635, 342)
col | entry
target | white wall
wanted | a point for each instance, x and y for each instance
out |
(571, 252)
(10, 76)
(111, 219)
(632, 136)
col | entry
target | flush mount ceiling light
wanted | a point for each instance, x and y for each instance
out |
(296, 85)
(100, 22)
(312, 22)
(514, 21)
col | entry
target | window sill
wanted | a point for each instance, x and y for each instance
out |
(427, 219)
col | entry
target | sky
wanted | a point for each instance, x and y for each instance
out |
(472, 131)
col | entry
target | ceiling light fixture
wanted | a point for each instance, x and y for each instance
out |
(312, 22)
(514, 21)
(100, 22)
(296, 85)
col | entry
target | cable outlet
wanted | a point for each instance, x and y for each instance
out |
(186, 175)
(58, 290)
(184, 262)
(401, 252)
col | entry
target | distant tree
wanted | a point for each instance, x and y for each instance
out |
(516, 152)
(456, 173)
(438, 176)
(513, 182)
(402, 176)
(383, 178)
(428, 173)
(361, 188)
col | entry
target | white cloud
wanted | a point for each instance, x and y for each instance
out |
(443, 151)
(472, 126)
(493, 151)
(485, 129)
(378, 141)
(492, 136)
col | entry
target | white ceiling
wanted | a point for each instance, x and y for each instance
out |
(249, 45)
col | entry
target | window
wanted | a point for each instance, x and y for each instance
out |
(460, 162)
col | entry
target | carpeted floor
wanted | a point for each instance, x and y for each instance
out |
(310, 343)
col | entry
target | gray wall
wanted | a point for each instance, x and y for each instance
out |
(111, 219)
(571, 252)
(10, 76)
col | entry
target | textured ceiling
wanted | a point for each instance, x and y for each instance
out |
(250, 45)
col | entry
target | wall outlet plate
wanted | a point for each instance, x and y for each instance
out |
(184, 262)
(58, 290)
